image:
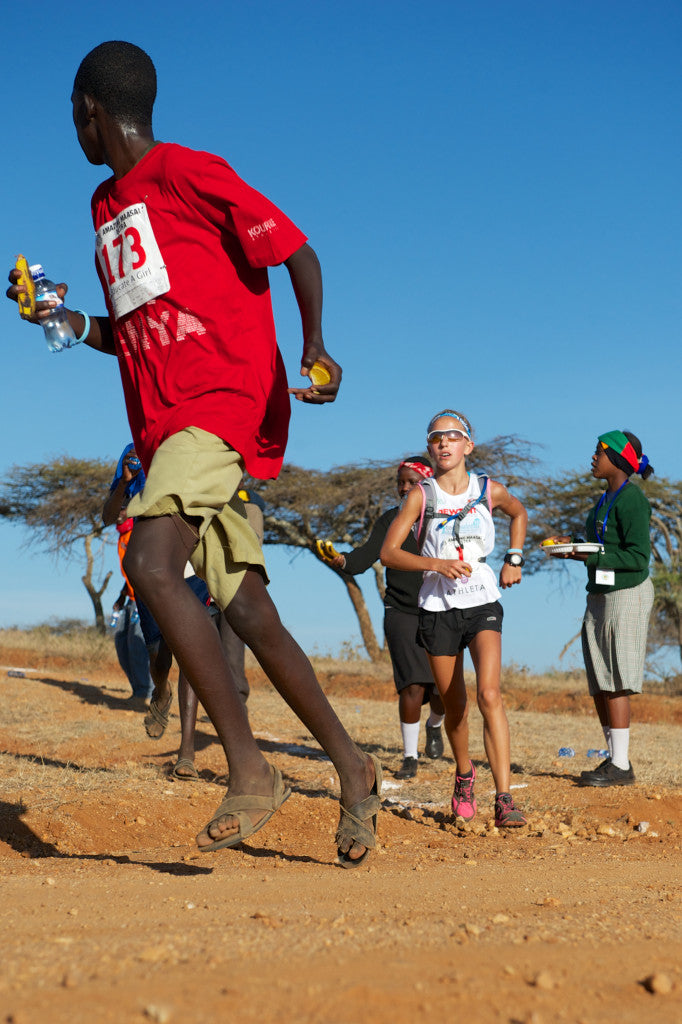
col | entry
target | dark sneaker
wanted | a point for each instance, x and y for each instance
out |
(434, 742)
(506, 815)
(599, 768)
(408, 769)
(463, 800)
(608, 774)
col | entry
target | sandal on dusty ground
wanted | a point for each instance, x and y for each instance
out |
(353, 822)
(184, 770)
(156, 719)
(239, 806)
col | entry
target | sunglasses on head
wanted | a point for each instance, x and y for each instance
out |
(436, 436)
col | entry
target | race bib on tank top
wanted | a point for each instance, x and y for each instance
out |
(476, 542)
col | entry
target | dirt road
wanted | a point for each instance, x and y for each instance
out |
(109, 913)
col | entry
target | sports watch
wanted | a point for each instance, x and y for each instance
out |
(514, 558)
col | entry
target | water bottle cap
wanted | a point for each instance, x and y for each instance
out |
(37, 271)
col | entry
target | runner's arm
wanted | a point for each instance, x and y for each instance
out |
(394, 557)
(518, 523)
(306, 280)
(365, 555)
(100, 336)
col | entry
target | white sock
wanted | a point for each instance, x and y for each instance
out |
(607, 738)
(435, 721)
(410, 731)
(620, 741)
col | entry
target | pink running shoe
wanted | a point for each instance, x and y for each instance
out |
(506, 815)
(463, 800)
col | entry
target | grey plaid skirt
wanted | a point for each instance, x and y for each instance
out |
(614, 638)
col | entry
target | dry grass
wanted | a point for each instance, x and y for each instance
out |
(51, 783)
(68, 639)
(87, 650)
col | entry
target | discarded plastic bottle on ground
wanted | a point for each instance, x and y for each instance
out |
(115, 616)
(593, 752)
(566, 752)
(59, 333)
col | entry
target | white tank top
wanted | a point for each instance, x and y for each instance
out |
(477, 540)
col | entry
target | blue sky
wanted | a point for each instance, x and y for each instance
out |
(492, 189)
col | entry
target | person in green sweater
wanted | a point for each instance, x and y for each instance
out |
(620, 597)
(411, 671)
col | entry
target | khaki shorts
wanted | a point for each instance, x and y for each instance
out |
(614, 636)
(198, 474)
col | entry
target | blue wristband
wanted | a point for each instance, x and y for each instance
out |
(86, 326)
(514, 551)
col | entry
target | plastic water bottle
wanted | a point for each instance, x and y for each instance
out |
(115, 616)
(594, 752)
(59, 333)
(566, 752)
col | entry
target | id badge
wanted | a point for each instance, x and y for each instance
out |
(605, 577)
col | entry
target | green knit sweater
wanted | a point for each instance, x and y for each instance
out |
(627, 544)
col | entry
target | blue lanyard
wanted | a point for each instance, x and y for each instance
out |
(601, 501)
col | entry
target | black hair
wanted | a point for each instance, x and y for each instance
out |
(121, 77)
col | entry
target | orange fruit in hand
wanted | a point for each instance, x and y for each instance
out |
(319, 375)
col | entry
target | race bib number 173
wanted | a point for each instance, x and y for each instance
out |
(131, 261)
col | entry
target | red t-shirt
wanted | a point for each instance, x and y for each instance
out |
(182, 250)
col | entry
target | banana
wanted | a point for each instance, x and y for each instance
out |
(27, 295)
(326, 550)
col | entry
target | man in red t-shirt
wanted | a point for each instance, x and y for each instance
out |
(192, 296)
(183, 247)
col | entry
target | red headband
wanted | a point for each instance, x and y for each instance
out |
(418, 467)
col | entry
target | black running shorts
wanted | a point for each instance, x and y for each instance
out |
(447, 633)
(410, 664)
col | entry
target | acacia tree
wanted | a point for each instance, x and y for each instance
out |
(343, 504)
(560, 506)
(666, 520)
(60, 502)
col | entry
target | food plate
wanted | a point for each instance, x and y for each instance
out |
(579, 548)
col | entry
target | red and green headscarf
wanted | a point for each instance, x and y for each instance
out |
(620, 451)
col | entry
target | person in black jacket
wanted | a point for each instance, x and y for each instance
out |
(411, 672)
